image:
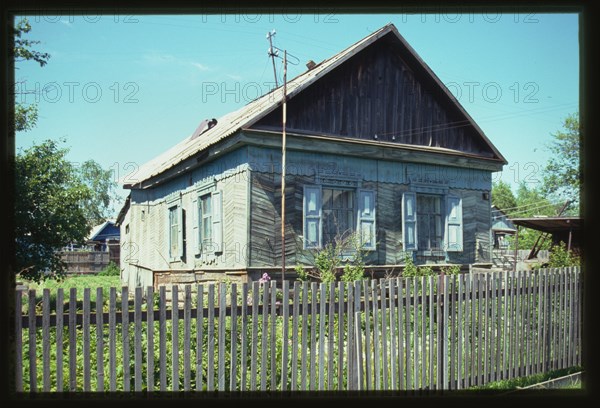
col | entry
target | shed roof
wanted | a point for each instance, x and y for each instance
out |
(249, 114)
(550, 224)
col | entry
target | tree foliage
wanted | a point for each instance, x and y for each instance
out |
(502, 196)
(528, 202)
(97, 208)
(48, 209)
(56, 203)
(26, 115)
(532, 202)
(23, 47)
(562, 175)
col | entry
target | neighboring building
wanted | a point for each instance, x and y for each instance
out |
(101, 247)
(375, 144)
(558, 229)
(502, 227)
(103, 236)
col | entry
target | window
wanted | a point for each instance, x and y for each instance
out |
(205, 219)
(331, 212)
(175, 232)
(338, 213)
(429, 222)
(208, 223)
(427, 227)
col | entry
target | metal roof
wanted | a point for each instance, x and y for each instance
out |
(98, 229)
(550, 224)
(246, 116)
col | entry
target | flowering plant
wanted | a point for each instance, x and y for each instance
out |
(265, 278)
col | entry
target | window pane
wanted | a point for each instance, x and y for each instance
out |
(339, 199)
(173, 216)
(410, 212)
(366, 204)
(327, 197)
(206, 204)
(312, 232)
(338, 213)
(429, 221)
(207, 228)
(173, 231)
(410, 230)
(205, 219)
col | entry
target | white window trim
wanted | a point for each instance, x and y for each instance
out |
(446, 199)
(372, 246)
(217, 220)
(175, 202)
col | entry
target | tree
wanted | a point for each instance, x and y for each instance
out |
(502, 196)
(26, 114)
(563, 178)
(48, 209)
(528, 202)
(532, 202)
(97, 208)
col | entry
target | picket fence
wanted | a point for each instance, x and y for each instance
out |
(420, 333)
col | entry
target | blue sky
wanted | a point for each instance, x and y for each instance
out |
(123, 88)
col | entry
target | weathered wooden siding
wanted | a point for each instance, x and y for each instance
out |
(376, 95)
(235, 220)
(145, 247)
(315, 162)
(265, 225)
(476, 228)
(262, 219)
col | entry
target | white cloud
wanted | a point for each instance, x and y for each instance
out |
(159, 58)
(234, 77)
(200, 66)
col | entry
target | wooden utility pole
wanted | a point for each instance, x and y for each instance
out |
(272, 54)
(283, 164)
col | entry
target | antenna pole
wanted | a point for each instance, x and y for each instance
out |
(272, 55)
(283, 164)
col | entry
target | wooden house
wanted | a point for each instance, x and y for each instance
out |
(101, 247)
(502, 227)
(375, 144)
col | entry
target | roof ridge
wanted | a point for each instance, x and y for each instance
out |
(258, 108)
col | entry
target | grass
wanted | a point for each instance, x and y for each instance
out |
(78, 282)
(521, 382)
(573, 385)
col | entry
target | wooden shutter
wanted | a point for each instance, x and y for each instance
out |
(312, 217)
(366, 219)
(180, 232)
(454, 228)
(217, 221)
(409, 221)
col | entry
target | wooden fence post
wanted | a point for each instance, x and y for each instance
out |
(500, 327)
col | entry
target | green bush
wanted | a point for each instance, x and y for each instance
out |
(560, 257)
(301, 273)
(450, 269)
(112, 269)
(409, 267)
(345, 249)
(425, 270)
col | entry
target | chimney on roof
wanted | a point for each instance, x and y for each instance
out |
(310, 64)
(203, 127)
